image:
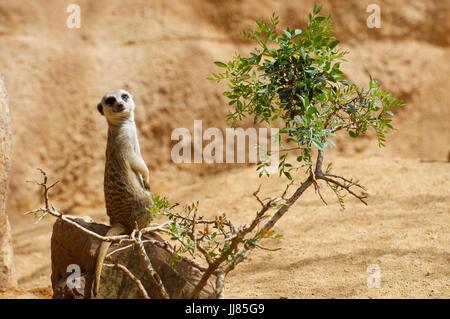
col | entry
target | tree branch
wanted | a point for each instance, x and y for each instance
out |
(343, 186)
(132, 277)
(137, 237)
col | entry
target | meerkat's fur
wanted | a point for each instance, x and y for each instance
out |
(126, 184)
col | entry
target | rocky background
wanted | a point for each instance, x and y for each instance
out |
(162, 51)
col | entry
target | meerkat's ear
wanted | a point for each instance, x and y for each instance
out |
(100, 108)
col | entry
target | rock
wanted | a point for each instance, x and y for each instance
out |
(72, 249)
(7, 272)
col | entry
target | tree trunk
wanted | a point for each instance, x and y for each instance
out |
(7, 273)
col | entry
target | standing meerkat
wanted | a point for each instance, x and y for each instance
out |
(126, 184)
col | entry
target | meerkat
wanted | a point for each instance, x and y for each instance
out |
(126, 183)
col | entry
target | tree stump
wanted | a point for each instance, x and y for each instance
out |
(72, 249)
(7, 272)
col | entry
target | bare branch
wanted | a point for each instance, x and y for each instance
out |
(132, 277)
(280, 212)
(137, 236)
(220, 284)
(344, 186)
(238, 258)
(353, 183)
(162, 244)
(317, 189)
(266, 248)
(255, 194)
(118, 250)
(283, 196)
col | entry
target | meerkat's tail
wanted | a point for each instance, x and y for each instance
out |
(116, 229)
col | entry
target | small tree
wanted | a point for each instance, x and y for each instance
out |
(291, 80)
(295, 76)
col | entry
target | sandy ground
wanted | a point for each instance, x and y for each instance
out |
(163, 54)
(325, 251)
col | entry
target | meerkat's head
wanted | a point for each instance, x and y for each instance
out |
(116, 106)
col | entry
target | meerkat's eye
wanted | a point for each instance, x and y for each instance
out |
(124, 97)
(110, 101)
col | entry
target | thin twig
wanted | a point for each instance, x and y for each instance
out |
(266, 248)
(347, 180)
(317, 189)
(118, 250)
(343, 186)
(132, 277)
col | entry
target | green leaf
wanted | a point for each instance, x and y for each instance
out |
(318, 145)
(220, 64)
(319, 19)
(288, 34)
(317, 9)
(288, 175)
(311, 110)
(333, 44)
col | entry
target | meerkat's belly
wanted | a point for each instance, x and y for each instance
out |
(126, 200)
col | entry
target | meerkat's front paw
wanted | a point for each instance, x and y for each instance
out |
(147, 184)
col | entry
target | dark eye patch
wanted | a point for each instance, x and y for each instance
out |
(124, 97)
(110, 101)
